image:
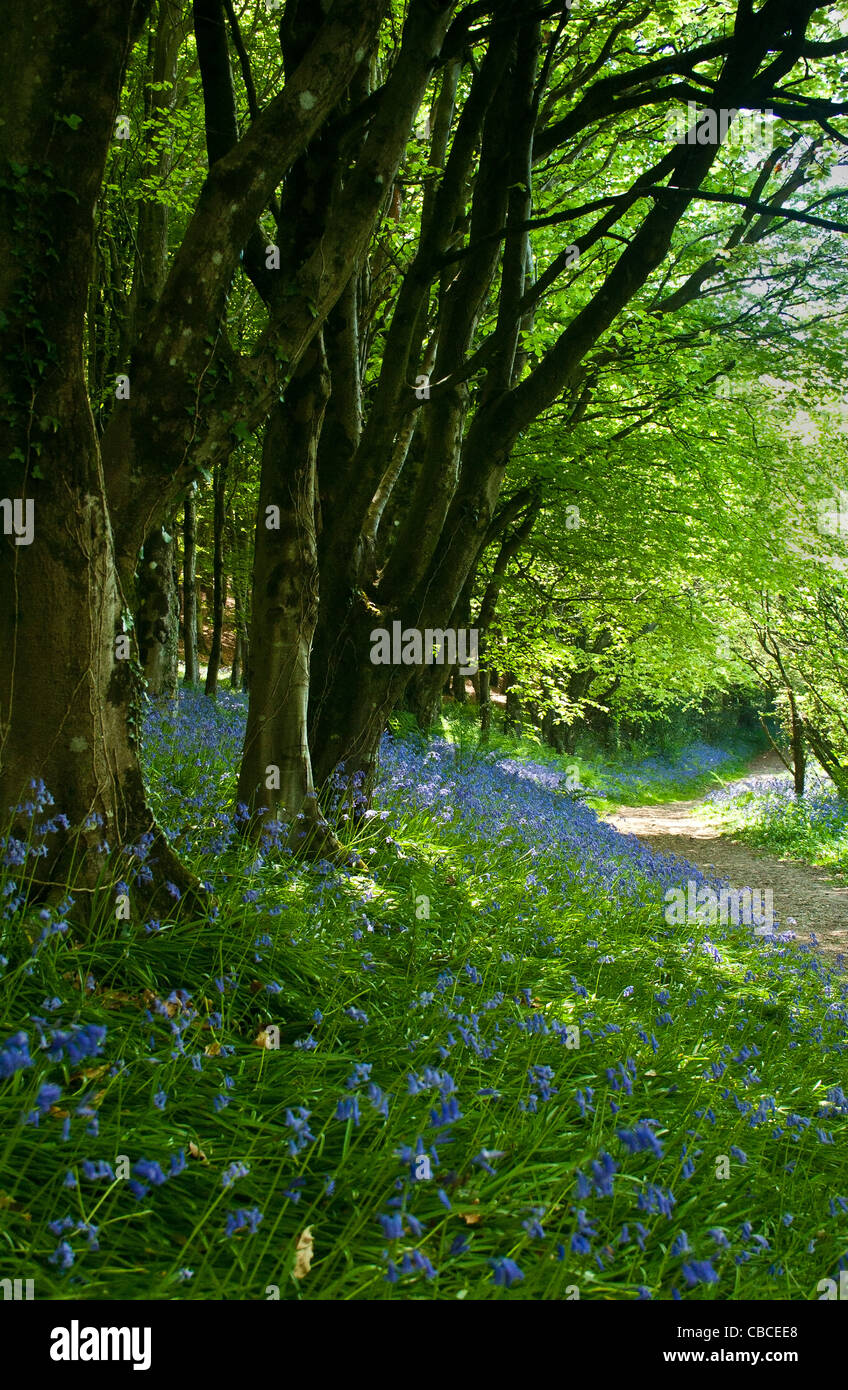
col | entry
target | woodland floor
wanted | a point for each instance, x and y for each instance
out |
(816, 898)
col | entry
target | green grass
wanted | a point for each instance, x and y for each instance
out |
(813, 829)
(590, 774)
(655, 1008)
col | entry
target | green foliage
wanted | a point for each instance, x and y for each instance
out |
(668, 1002)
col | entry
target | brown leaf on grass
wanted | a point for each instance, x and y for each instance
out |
(171, 1006)
(304, 1252)
(8, 1203)
(91, 1073)
(117, 999)
(195, 1152)
(213, 1049)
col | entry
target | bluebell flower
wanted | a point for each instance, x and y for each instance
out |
(150, 1169)
(699, 1272)
(392, 1226)
(505, 1271)
(243, 1219)
(14, 1055)
(348, 1110)
(63, 1255)
(642, 1137)
(534, 1228)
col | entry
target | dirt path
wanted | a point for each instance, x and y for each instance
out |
(815, 898)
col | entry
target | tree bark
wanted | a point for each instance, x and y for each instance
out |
(190, 615)
(484, 699)
(235, 674)
(799, 755)
(219, 577)
(275, 780)
(69, 693)
(158, 615)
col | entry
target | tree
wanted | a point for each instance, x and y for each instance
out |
(68, 694)
(408, 498)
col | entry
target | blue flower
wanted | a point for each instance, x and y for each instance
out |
(640, 1138)
(482, 1159)
(94, 1171)
(505, 1271)
(63, 1255)
(14, 1055)
(348, 1110)
(151, 1171)
(77, 1042)
(392, 1226)
(243, 1219)
(699, 1272)
(533, 1228)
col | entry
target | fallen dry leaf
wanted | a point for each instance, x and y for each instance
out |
(91, 1073)
(195, 1152)
(117, 999)
(304, 1252)
(9, 1203)
(172, 1006)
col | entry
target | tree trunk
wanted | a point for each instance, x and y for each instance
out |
(829, 759)
(69, 694)
(156, 599)
(240, 551)
(235, 674)
(158, 615)
(275, 781)
(799, 757)
(190, 616)
(244, 635)
(484, 698)
(219, 578)
(349, 713)
(200, 605)
(515, 714)
(424, 696)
